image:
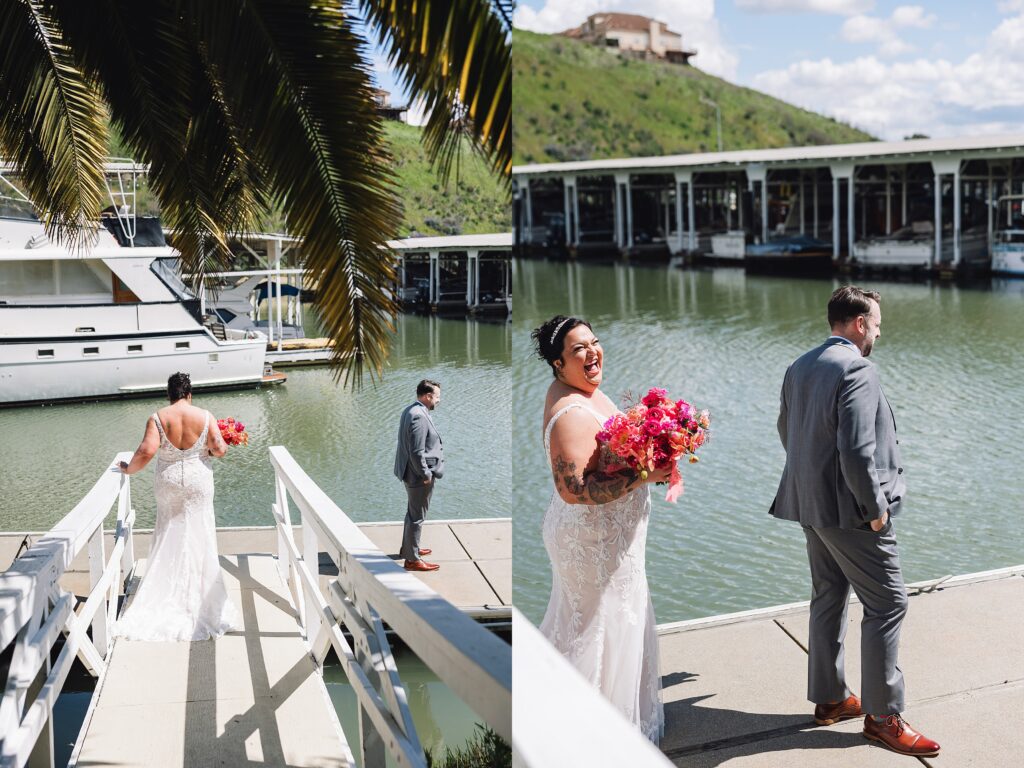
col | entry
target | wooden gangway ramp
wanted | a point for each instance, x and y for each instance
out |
(251, 697)
(735, 686)
(312, 586)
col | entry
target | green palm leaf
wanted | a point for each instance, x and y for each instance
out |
(456, 55)
(52, 122)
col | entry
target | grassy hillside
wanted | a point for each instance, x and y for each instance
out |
(574, 101)
(473, 202)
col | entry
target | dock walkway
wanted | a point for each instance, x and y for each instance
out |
(253, 696)
(734, 686)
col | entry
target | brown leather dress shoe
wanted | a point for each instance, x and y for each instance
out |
(425, 551)
(420, 565)
(829, 714)
(897, 735)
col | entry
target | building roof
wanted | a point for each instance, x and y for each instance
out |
(630, 22)
(495, 241)
(816, 155)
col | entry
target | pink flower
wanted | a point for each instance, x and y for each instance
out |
(654, 396)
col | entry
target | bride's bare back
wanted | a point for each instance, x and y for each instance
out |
(183, 423)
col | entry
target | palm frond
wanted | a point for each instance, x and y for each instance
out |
(169, 111)
(452, 54)
(304, 88)
(52, 122)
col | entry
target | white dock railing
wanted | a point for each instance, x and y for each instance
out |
(35, 610)
(370, 590)
(561, 719)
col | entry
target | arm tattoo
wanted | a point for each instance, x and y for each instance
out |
(598, 487)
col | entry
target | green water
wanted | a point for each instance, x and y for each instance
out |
(51, 456)
(950, 360)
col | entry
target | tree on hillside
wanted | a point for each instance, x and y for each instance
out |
(238, 107)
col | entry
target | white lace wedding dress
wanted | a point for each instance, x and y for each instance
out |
(182, 595)
(600, 615)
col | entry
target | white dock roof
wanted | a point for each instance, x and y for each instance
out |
(495, 241)
(906, 151)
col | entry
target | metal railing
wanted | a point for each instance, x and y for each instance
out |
(371, 589)
(35, 610)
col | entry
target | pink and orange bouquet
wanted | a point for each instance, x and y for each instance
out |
(656, 433)
(233, 431)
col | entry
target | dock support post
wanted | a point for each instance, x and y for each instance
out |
(989, 203)
(618, 217)
(888, 201)
(472, 279)
(937, 256)
(835, 216)
(527, 212)
(434, 275)
(800, 193)
(758, 173)
(814, 192)
(956, 217)
(629, 213)
(571, 210)
(850, 199)
(903, 203)
(679, 213)
(691, 214)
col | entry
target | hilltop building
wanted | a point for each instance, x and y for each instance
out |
(632, 34)
(386, 109)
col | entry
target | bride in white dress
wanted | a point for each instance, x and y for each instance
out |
(182, 595)
(600, 614)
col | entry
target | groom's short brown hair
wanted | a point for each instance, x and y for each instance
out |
(848, 302)
(426, 387)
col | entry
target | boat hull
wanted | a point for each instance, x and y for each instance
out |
(1008, 260)
(45, 370)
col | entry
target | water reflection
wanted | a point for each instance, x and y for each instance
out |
(344, 439)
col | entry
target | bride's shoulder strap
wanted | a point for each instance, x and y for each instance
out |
(563, 410)
(156, 420)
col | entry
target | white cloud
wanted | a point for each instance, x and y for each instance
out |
(838, 7)
(694, 19)
(884, 32)
(1010, 6)
(936, 97)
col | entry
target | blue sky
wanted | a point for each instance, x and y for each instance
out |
(891, 68)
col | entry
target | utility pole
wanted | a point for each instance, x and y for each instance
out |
(718, 117)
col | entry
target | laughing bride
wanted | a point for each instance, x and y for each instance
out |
(600, 615)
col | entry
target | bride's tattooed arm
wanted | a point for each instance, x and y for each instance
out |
(577, 486)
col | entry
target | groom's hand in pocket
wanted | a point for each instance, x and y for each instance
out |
(879, 524)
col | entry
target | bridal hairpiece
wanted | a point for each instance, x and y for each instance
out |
(558, 328)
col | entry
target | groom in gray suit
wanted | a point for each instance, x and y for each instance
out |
(843, 482)
(419, 463)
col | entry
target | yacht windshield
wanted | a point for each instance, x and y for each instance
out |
(169, 270)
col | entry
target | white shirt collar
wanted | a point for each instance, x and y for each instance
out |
(842, 340)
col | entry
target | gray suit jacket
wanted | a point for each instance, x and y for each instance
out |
(842, 456)
(420, 453)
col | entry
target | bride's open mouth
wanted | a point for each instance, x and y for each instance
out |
(592, 369)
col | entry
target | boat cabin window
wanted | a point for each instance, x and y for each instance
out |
(180, 345)
(54, 281)
(89, 351)
(122, 293)
(226, 315)
(213, 357)
(44, 353)
(134, 349)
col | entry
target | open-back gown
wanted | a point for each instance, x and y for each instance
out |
(182, 595)
(600, 614)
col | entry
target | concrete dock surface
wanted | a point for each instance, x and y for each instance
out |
(475, 557)
(734, 687)
(250, 697)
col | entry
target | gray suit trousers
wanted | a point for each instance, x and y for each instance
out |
(415, 513)
(869, 562)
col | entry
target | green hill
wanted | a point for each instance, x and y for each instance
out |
(575, 101)
(473, 202)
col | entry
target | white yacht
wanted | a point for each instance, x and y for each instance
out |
(1008, 248)
(112, 321)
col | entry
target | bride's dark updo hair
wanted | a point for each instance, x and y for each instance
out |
(549, 338)
(179, 385)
